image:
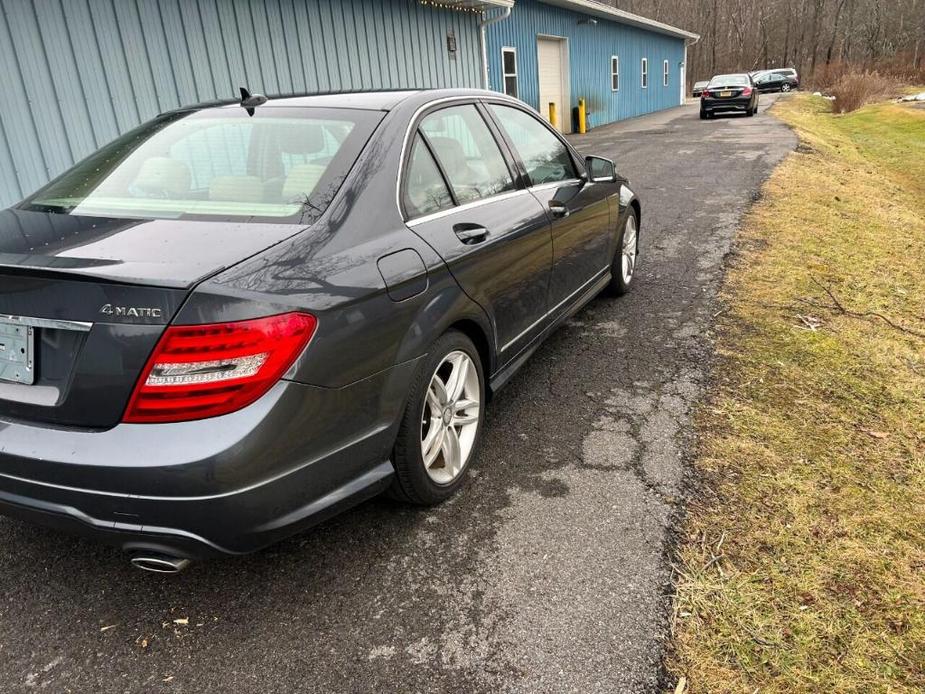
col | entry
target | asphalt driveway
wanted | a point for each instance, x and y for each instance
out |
(548, 574)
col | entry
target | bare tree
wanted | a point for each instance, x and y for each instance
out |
(813, 36)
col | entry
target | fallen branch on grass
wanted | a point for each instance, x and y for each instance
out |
(864, 315)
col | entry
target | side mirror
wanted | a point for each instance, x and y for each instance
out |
(600, 170)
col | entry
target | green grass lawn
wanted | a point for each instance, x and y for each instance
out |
(803, 564)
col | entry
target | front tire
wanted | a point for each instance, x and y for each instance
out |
(623, 268)
(785, 88)
(442, 425)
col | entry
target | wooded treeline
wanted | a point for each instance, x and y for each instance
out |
(818, 37)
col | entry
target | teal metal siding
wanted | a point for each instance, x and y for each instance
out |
(74, 74)
(590, 49)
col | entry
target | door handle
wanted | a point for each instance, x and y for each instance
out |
(557, 209)
(470, 233)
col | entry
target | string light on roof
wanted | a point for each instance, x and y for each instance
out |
(451, 5)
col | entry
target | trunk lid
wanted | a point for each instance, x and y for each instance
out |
(90, 297)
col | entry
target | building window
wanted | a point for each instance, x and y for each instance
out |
(645, 73)
(665, 74)
(509, 68)
(615, 73)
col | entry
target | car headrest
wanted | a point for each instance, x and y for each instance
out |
(301, 138)
(301, 181)
(164, 175)
(450, 153)
(237, 189)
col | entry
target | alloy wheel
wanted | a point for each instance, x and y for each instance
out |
(630, 249)
(450, 420)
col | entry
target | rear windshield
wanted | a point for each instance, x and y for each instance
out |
(281, 164)
(730, 80)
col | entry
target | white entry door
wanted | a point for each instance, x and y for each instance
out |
(552, 57)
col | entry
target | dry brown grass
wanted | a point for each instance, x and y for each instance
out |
(853, 90)
(900, 68)
(804, 564)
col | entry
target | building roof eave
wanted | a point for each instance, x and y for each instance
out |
(598, 9)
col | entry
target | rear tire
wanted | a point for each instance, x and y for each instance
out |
(703, 114)
(623, 267)
(425, 423)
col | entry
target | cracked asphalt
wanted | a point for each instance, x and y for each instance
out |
(548, 574)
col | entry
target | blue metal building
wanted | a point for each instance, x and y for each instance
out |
(75, 74)
(560, 51)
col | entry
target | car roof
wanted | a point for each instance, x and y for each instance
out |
(367, 101)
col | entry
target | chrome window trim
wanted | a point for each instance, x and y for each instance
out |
(415, 221)
(556, 184)
(465, 99)
(55, 323)
(408, 133)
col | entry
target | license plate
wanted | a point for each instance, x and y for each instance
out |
(17, 351)
(725, 94)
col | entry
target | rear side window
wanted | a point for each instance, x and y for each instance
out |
(468, 153)
(425, 189)
(545, 157)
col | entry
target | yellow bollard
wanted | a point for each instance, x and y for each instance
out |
(553, 116)
(582, 117)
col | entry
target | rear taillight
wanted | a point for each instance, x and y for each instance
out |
(747, 91)
(705, 94)
(199, 371)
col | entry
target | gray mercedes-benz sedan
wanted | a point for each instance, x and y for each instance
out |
(241, 318)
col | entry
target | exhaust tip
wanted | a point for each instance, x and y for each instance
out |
(159, 563)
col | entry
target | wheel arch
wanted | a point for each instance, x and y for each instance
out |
(475, 332)
(637, 208)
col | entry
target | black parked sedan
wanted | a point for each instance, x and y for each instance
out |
(241, 318)
(729, 94)
(777, 81)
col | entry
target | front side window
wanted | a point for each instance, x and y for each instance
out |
(467, 152)
(545, 157)
(425, 190)
(283, 164)
(645, 73)
(615, 73)
(509, 65)
(665, 74)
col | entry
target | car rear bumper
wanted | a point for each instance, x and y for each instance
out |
(724, 105)
(222, 486)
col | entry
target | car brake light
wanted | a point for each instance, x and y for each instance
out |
(747, 91)
(200, 371)
(705, 93)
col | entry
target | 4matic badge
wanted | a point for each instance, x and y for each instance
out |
(131, 311)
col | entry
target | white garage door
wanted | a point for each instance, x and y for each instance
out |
(552, 55)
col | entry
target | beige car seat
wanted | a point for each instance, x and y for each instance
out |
(164, 176)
